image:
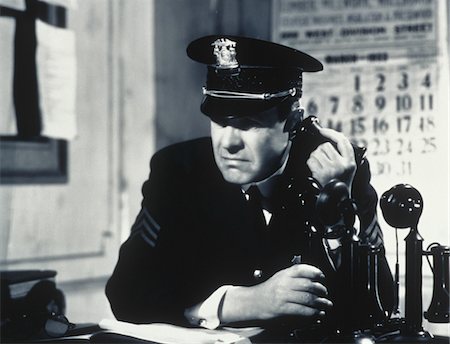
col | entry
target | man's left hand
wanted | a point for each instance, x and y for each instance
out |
(329, 162)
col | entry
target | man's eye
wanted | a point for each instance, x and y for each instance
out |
(220, 122)
(248, 123)
(243, 123)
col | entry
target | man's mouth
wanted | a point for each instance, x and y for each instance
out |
(231, 159)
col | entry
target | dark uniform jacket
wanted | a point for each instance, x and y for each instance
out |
(196, 232)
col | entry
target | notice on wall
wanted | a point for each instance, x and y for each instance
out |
(18, 5)
(56, 71)
(7, 112)
(384, 85)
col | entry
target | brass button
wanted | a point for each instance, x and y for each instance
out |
(257, 274)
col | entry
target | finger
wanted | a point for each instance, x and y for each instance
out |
(331, 134)
(344, 146)
(306, 271)
(314, 163)
(293, 308)
(329, 152)
(326, 157)
(321, 303)
(307, 285)
(308, 299)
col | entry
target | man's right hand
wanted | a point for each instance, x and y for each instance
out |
(297, 290)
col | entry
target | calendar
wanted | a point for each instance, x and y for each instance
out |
(384, 85)
(390, 110)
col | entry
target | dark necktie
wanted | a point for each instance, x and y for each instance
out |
(260, 232)
(255, 205)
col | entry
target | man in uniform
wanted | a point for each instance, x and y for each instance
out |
(225, 234)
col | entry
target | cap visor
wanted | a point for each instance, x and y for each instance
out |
(226, 107)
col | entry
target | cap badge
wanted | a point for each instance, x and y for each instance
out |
(225, 52)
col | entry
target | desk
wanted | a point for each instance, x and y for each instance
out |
(93, 334)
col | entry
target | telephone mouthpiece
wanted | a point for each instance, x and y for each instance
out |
(402, 206)
(330, 200)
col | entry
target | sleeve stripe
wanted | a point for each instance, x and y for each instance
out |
(147, 215)
(373, 225)
(146, 227)
(149, 229)
(375, 239)
(147, 240)
(373, 234)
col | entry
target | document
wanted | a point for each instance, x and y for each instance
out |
(8, 124)
(18, 5)
(56, 71)
(171, 334)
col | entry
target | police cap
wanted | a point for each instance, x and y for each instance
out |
(247, 75)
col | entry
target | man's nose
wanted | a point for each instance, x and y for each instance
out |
(232, 139)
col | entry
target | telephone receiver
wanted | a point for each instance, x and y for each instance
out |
(307, 132)
(296, 124)
(331, 201)
(309, 129)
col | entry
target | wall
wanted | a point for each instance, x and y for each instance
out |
(76, 228)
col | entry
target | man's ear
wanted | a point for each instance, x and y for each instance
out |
(294, 119)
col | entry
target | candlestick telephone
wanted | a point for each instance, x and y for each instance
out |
(401, 206)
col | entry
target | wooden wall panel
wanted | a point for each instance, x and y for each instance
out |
(135, 79)
(63, 226)
(179, 79)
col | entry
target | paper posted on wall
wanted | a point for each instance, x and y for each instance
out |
(171, 334)
(56, 72)
(72, 4)
(8, 124)
(18, 5)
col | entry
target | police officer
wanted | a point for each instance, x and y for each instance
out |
(220, 224)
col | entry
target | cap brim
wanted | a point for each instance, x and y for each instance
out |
(226, 107)
(255, 52)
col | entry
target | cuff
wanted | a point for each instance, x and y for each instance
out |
(206, 313)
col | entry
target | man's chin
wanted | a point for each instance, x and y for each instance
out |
(237, 177)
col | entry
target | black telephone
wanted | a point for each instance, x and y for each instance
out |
(39, 314)
(309, 128)
(304, 189)
(331, 214)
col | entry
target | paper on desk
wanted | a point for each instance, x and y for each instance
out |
(171, 334)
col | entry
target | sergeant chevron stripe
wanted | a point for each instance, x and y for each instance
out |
(373, 234)
(147, 227)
